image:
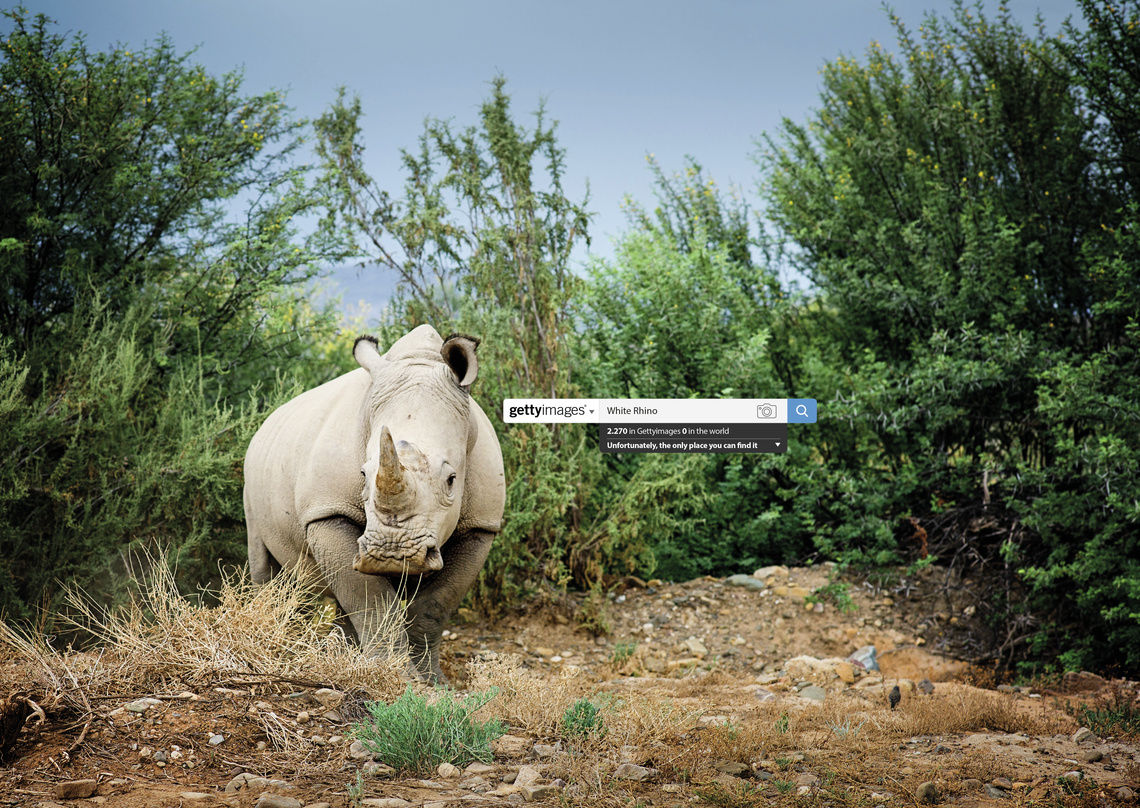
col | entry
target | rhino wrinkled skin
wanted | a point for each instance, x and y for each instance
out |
(389, 482)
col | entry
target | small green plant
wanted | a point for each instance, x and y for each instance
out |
(782, 723)
(842, 730)
(582, 720)
(594, 612)
(1115, 716)
(836, 592)
(416, 734)
(743, 795)
(623, 652)
(356, 791)
(784, 786)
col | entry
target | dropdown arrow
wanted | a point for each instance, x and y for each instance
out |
(777, 443)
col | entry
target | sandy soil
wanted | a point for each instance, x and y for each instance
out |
(739, 658)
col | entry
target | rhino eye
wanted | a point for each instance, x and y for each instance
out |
(450, 481)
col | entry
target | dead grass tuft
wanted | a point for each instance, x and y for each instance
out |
(161, 642)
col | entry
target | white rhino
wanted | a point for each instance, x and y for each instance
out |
(389, 479)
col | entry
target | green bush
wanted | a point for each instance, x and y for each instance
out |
(417, 733)
(583, 720)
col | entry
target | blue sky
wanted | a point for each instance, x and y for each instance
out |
(623, 78)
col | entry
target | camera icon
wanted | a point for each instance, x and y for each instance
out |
(765, 410)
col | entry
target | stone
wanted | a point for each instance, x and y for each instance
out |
(526, 776)
(535, 793)
(545, 750)
(865, 657)
(631, 771)
(972, 784)
(1125, 794)
(357, 751)
(511, 746)
(378, 770)
(193, 796)
(731, 767)
(928, 793)
(846, 672)
(303, 717)
(807, 779)
(926, 686)
(1084, 735)
(270, 800)
(216, 739)
(695, 647)
(814, 692)
(447, 771)
(995, 793)
(746, 581)
(479, 768)
(1002, 782)
(328, 697)
(765, 573)
(385, 802)
(1094, 756)
(75, 789)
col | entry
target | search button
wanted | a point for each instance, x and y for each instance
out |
(801, 410)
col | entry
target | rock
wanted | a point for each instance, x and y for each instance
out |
(545, 750)
(764, 573)
(631, 771)
(807, 779)
(695, 647)
(216, 739)
(1007, 689)
(510, 746)
(534, 793)
(814, 692)
(142, 705)
(1094, 756)
(1003, 783)
(1125, 794)
(447, 771)
(357, 751)
(746, 581)
(926, 686)
(803, 791)
(1084, 735)
(479, 768)
(75, 789)
(846, 672)
(385, 802)
(731, 767)
(270, 800)
(333, 716)
(1074, 682)
(995, 793)
(526, 776)
(972, 784)
(303, 717)
(329, 698)
(865, 658)
(160, 757)
(194, 796)
(928, 793)
(378, 770)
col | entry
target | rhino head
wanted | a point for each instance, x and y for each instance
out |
(415, 461)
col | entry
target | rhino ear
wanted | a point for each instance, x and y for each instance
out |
(459, 353)
(366, 352)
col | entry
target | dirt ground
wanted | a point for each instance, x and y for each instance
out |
(740, 659)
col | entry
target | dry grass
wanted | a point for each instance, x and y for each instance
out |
(162, 642)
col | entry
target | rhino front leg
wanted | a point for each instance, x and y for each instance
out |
(368, 601)
(437, 598)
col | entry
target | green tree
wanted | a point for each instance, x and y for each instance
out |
(481, 240)
(149, 300)
(954, 206)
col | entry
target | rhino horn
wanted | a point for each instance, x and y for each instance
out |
(390, 474)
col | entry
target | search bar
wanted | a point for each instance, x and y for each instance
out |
(660, 411)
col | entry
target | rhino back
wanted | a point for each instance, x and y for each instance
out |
(304, 463)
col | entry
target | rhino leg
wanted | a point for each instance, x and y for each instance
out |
(437, 598)
(368, 601)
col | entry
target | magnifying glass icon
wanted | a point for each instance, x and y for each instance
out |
(801, 410)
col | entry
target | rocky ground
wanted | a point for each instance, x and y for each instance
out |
(780, 713)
